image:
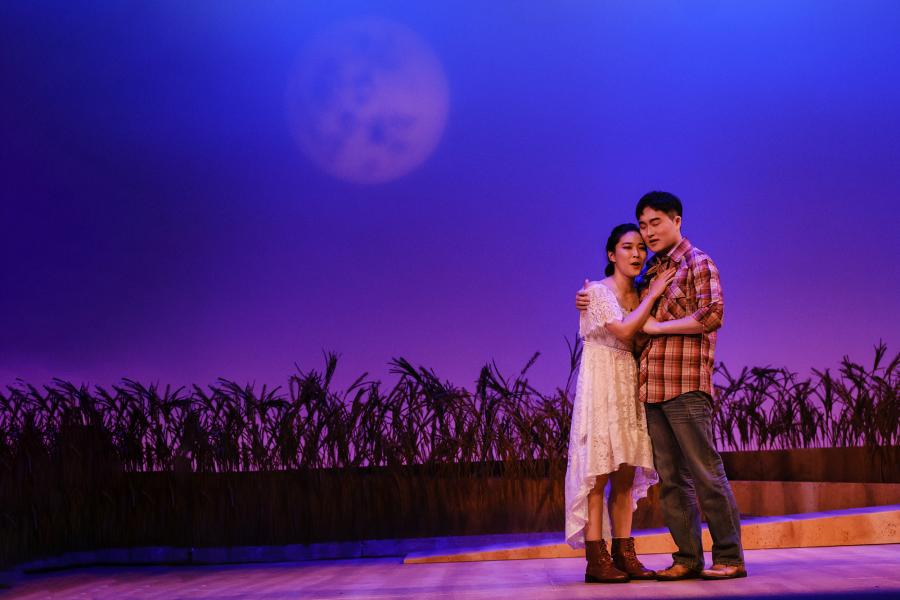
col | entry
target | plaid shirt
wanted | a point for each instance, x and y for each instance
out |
(671, 365)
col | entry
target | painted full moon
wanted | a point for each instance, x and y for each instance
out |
(367, 101)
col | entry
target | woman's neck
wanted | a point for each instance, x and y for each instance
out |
(623, 283)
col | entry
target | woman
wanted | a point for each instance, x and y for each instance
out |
(609, 440)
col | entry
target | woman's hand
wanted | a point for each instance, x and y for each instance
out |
(661, 282)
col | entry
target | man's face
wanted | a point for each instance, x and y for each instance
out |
(659, 230)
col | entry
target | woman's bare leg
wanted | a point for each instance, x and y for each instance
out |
(623, 552)
(594, 527)
(620, 501)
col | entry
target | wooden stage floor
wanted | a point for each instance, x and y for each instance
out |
(835, 572)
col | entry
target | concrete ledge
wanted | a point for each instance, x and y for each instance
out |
(859, 526)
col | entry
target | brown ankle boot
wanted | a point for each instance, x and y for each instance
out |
(625, 559)
(600, 567)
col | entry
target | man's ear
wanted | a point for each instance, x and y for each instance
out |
(677, 221)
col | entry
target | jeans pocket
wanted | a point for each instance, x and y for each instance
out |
(692, 407)
(699, 407)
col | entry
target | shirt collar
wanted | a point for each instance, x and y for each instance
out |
(680, 249)
(675, 255)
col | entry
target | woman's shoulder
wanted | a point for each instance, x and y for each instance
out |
(602, 287)
(602, 291)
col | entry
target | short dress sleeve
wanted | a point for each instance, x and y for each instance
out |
(603, 308)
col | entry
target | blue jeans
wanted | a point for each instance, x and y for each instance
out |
(689, 466)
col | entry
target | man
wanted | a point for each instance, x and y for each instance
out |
(675, 382)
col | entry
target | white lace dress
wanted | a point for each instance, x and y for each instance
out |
(609, 427)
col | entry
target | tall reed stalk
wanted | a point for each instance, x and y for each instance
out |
(420, 420)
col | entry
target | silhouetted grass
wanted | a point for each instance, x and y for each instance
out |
(768, 408)
(420, 420)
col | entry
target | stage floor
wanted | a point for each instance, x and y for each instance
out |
(835, 572)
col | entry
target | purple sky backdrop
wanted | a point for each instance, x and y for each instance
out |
(161, 223)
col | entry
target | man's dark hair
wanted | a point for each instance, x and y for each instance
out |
(661, 201)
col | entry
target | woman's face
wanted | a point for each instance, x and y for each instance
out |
(630, 254)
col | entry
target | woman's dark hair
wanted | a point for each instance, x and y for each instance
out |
(614, 237)
(661, 201)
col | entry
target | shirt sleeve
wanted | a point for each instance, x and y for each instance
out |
(601, 310)
(710, 304)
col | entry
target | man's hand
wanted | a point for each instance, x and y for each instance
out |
(582, 298)
(683, 326)
(651, 327)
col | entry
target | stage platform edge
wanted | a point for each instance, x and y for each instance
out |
(849, 527)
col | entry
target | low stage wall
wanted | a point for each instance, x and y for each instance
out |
(50, 514)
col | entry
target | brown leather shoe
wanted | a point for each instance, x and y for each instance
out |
(625, 559)
(724, 572)
(600, 567)
(677, 572)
